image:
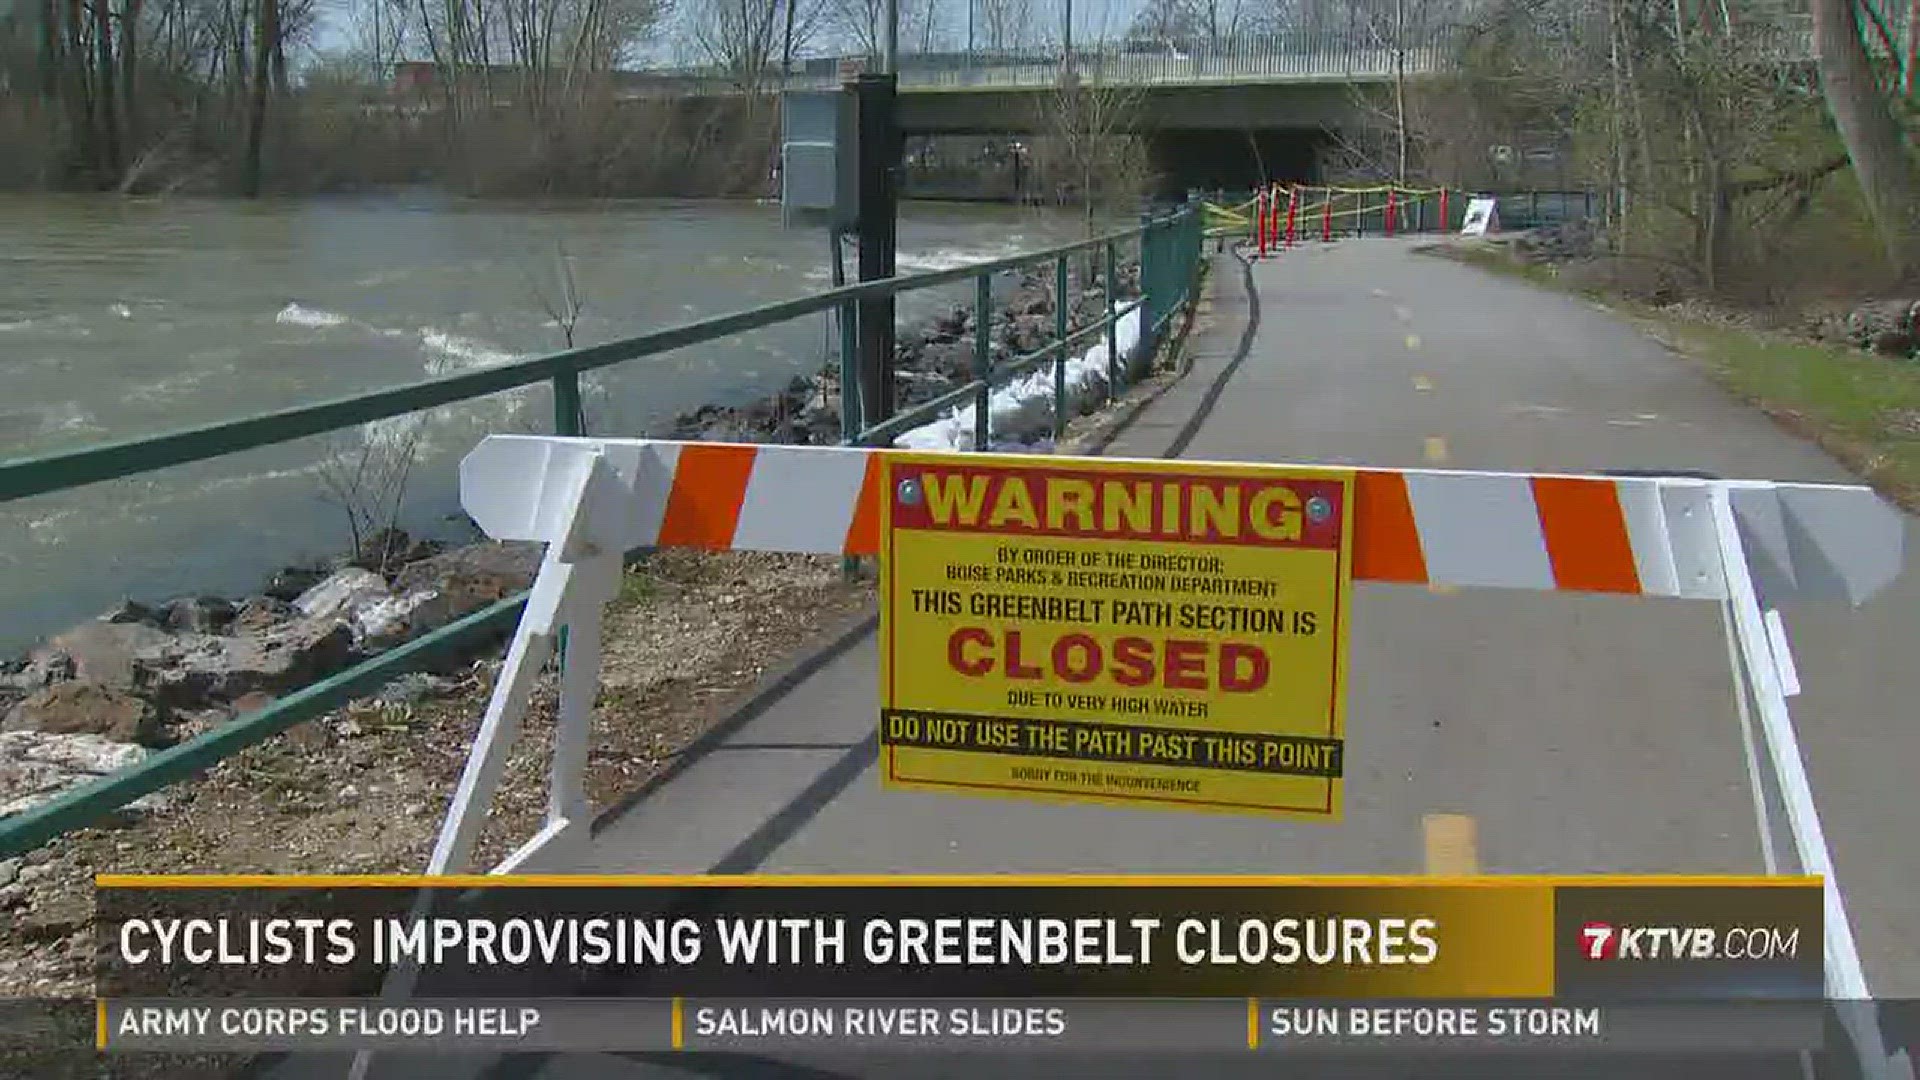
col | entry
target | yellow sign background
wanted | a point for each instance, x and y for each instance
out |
(1095, 719)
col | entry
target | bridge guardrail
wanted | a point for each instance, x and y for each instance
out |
(1168, 246)
(1294, 55)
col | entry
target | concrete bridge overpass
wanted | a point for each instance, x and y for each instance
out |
(1257, 106)
(1225, 115)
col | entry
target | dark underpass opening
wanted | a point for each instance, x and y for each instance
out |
(1234, 160)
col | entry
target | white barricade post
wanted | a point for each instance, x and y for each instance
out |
(1748, 545)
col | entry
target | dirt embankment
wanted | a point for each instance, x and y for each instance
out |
(363, 789)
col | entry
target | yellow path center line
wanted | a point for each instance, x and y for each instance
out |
(1453, 847)
(1422, 383)
(1413, 341)
(1436, 449)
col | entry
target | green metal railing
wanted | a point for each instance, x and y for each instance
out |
(1169, 254)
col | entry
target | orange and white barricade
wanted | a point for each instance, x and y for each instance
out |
(1728, 541)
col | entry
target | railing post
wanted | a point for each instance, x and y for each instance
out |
(1113, 330)
(1181, 258)
(849, 372)
(1060, 305)
(1196, 243)
(849, 383)
(983, 361)
(568, 418)
(1149, 286)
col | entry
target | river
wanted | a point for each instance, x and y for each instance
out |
(126, 317)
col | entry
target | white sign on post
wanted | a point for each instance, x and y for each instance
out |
(1483, 216)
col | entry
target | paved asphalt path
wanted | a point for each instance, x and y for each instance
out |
(1581, 734)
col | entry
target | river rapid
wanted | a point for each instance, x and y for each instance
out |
(126, 317)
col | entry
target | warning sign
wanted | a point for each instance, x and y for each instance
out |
(1139, 632)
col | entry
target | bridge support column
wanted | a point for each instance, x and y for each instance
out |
(878, 134)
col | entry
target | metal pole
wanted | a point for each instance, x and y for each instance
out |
(879, 157)
(1113, 329)
(1060, 313)
(849, 315)
(983, 361)
(890, 43)
(850, 411)
(1066, 38)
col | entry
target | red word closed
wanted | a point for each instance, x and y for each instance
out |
(1175, 664)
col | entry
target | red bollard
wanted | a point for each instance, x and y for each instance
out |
(1259, 224)
(1390, 194)
(1293, 204)
(1443, 209)
(1326, 220)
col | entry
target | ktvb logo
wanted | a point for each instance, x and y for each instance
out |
(1606, 941)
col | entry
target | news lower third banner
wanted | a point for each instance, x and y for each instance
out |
(707, 962)
(996, 1025)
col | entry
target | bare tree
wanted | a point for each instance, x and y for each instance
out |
(368, 482)
(1089, 153)
(1003, 25)
(741, 38)
(563, 302)
(1882, 159)
(266, 39)
(861, 24)
(1713, 147)
(1202, 24)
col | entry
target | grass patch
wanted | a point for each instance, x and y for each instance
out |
(636, 588)
(1861, 408)
(1494, 257)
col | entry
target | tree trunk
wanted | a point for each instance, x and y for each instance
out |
(1400, 88)
(238, 66)
(103, 75)
(280, 85)
(1617, 206)
(1636, 95)
(786, 45)
(265, 35)
(129, 67)
(84, 150)
(1874, 141)
(1913, 48)
(51, 55)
